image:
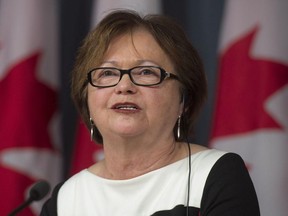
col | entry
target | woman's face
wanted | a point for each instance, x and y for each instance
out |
(127, 110)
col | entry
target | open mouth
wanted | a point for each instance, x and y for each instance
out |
(128, 107)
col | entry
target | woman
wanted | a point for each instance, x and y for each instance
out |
(138, 84)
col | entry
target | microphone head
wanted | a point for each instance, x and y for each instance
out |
(39, 190)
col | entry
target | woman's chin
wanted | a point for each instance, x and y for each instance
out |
(128, 132)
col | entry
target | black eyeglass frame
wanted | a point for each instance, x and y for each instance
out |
(164, 75)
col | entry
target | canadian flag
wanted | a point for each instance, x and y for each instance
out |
(28, 94)
(87, 152)
(251, 115)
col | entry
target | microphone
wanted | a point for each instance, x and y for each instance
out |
(38, 191)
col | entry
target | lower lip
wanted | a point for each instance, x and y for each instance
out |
(126, 111)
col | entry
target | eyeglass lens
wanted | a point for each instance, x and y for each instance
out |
(138, 75)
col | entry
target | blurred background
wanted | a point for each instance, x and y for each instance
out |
(244, 48)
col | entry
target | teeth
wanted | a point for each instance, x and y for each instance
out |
(126, 107)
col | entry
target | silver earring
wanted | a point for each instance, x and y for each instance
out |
(178, 127)
(91, 128)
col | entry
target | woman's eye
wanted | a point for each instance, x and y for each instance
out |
(107, 73)
(147, 72)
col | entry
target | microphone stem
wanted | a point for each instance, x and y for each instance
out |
(20, 207)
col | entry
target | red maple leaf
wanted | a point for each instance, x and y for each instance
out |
(27, 107)
(245, 83)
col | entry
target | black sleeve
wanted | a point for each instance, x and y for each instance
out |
(229, 190)
(50, 206)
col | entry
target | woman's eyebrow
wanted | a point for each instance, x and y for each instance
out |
(136, 62)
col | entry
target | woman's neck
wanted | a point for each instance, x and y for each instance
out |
(125, 161)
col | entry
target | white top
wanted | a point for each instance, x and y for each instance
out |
(87, 194)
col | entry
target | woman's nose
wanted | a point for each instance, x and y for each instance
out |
(125, 85)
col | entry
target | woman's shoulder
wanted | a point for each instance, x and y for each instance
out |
(234, 183)
(50, 206)
(195, 148)
(78, 178)
(200, 156)
(205, 153)
(204, 157)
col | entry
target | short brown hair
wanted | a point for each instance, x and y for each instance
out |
(170, 37)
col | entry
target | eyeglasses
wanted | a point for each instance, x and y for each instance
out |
(104, 77)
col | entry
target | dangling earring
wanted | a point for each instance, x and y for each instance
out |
(178, 127)
(91, 128)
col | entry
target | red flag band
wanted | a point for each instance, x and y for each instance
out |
(251, 115)
(28, 111)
